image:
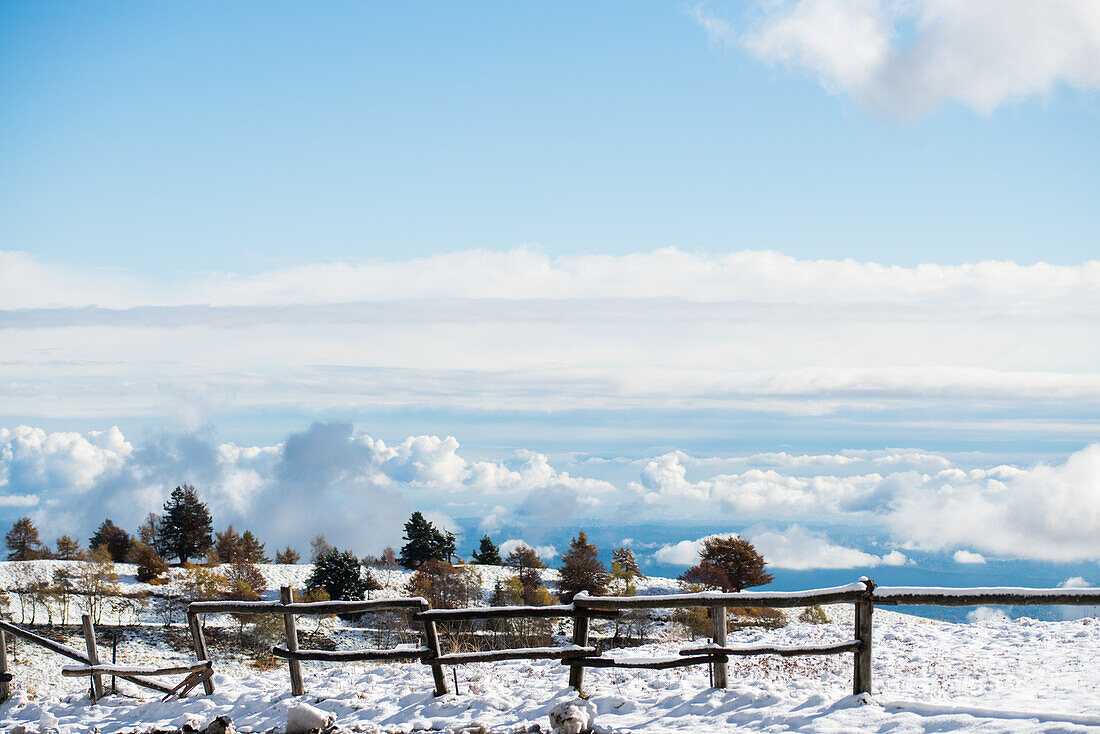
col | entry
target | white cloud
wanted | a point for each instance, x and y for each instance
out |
(794, 548)
(965, 556)
(1075, 582)
(545, 552)
(910, 56)
(18, 500)
(986, 615)
(799, 549)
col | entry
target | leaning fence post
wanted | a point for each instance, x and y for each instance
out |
(286, 596)
(198, 639)
(580, 639)
(718, 632)
(93, 655)
(431, 641)
(5, 676)
(861, 678)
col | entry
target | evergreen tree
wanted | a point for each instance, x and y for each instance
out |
(68, 549)
(227, 545)
(186, 527)
(339, 574)
(627, 563)
(728, 563)
(22, 541)
(425, 542)
(113, 538)
(252, 550)
(581, 570)
(287, 555)
(488, 554)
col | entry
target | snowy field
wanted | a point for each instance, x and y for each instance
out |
(991, 676)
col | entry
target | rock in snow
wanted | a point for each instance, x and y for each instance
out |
(301, 718)
(573, 717)
(220, 725)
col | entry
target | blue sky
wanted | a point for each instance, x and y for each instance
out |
(807, 264)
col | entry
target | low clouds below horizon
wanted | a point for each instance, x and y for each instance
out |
(358, 491)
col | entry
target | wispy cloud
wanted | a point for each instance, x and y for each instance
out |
(910, 56)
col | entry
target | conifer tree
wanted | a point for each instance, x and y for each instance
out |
(186, 527)
(113, 538)
(528, 566)
(252, 550)
(425, 542)
(488, 554)
(68, 549)
(227, 545)
(287, 555)
(728, 563)
(627, 563)
(581, 570)
(339, 574)
(22, 541)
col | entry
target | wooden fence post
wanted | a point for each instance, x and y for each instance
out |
(861, 677)
(286, 596)
(431, 641)
(93, 655)
(580, 639)
(5, 687)
(198, 639)
(718, 632)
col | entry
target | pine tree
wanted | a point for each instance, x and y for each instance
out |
(252, 550)
(22, 541)
(68, 549)
(425, 542)
(186, 527)
(728, 563)
(227, 544)
(113, 538)
(628, 564)
(339, 573)
(287, 555)
(581, 570)
(488, 554)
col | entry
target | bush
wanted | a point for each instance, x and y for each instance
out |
(814, 615)
(150, 566)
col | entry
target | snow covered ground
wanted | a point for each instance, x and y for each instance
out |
(994, 676)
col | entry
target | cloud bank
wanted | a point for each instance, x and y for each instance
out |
(911, 56)
(358, 490)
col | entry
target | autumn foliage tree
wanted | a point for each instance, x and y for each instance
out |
(728, 563)
(581, 570)
(528, 567)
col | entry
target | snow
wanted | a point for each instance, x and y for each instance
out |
(997, 675)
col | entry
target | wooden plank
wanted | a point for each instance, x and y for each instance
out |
(286, 597)
(72, 653)
(198, 640)
(641, 664)
(431, 641)
(313, 607)
(580, 641)
(861, 675)
(5, 686)
(75, 671)
(521, 653)
(352, 656)
(718, 633)
(474, 613)
(984, 596)
(782, 650)
(93, 655)
(835, 595)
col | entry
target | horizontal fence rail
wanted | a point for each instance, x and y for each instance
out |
(863, 594)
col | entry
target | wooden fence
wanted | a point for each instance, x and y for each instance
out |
(578, 655)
